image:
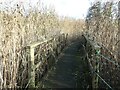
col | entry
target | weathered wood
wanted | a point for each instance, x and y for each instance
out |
(93, 53)
(47, 52)
(95, 78)
(31, 68)
(33, 45)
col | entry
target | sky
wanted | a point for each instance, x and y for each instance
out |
(70, 8)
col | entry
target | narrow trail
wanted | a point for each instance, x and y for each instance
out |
(71, 70)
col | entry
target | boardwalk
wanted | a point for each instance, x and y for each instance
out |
(71, 70)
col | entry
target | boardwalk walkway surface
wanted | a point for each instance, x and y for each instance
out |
(71, 70)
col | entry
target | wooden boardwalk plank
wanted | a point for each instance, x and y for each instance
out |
(69, 70)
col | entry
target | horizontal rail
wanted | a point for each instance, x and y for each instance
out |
(46, 52)
(94, 55)
(33, 45)
(113, 53)
(101, 45)
(104, 81)
(110, 60)
(93, 71)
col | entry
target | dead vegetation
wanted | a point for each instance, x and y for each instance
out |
(17, 31)
(102, 24)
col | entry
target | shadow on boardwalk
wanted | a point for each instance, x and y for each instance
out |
(71, 70)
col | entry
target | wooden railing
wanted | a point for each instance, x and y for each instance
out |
(41, 56)
(105, 69)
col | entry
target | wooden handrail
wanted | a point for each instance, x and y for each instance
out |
(58, 41)
(95, 58)
(35, 44)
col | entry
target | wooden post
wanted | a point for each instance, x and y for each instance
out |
(31, 69)
(95, 79)
(54, 46)
(58, 48)
(66, 39)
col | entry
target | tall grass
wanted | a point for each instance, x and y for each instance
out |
(18, 31)
(102, 23)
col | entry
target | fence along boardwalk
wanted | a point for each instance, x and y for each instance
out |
(104, 66)
(43, 56)
(40, 57)
(71, 70)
